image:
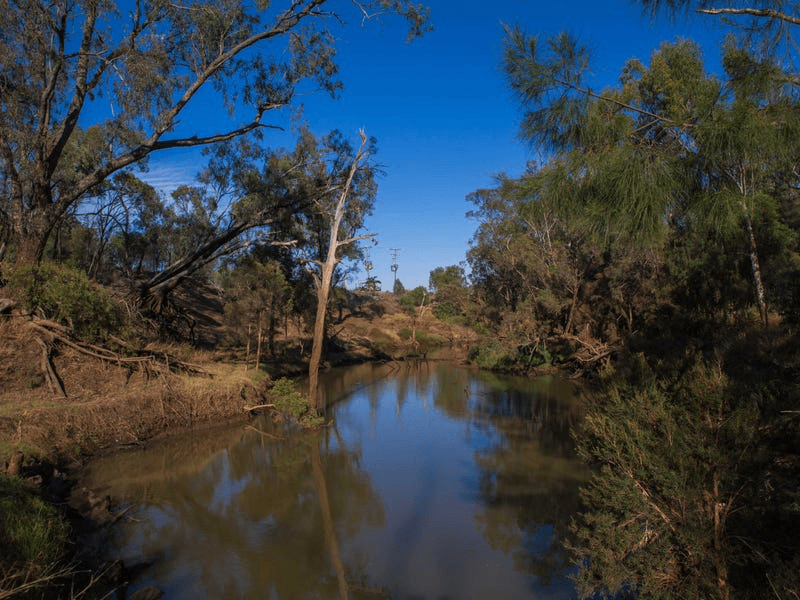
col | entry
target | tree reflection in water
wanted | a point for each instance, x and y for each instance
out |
(433, 482)
(530, 478)
(248, 522)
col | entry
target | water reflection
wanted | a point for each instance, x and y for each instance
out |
(434, 482)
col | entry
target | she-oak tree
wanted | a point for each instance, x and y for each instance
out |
(145, 61)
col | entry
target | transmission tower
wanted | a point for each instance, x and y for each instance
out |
(395, 251)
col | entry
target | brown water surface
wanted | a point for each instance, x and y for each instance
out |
(433, 483)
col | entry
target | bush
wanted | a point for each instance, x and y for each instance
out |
(66, 295)
(502, 357)
(289, 401)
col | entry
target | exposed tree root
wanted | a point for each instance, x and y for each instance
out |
(49, 371)
(48, 334)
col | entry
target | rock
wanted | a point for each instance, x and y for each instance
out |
(150, 592)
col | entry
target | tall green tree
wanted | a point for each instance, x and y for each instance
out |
(647, 156)
(144, 65)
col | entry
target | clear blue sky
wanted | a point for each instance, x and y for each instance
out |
(445, 120)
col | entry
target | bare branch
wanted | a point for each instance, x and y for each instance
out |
(766, 13)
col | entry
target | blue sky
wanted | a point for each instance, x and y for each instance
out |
(445, 120)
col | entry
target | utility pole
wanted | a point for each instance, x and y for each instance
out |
(368, 268)
(395, 251)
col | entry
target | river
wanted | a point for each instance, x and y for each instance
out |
(433, 482)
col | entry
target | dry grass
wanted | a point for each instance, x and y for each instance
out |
(108, 405)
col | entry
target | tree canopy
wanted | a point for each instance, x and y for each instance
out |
(88, 89)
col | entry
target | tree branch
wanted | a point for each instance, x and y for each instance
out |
(766, 13)
(620, 103)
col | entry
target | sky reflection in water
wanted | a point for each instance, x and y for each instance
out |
(441, 483)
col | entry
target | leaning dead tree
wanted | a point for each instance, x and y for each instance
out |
(323, 278)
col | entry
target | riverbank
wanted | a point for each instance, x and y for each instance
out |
(100, 406)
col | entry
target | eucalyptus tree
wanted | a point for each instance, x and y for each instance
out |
(345, 197)
(131, 73)
(242, 197)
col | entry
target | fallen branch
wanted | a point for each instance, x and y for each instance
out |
(258, 407)
(597, 351)
(53, 381)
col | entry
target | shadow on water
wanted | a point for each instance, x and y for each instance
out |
(434, 482)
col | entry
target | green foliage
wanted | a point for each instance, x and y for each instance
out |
(449, 286)
(498, 356)
(66, 295)
(31, 531)
(289, 401)
(665, 511)
(256, 294)
(413, 299)
(241, 52)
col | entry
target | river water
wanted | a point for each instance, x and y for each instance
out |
(433, 482)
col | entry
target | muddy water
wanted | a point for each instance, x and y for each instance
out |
(433, 483)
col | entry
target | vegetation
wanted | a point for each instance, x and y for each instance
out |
(33, 538)
(151, 63)
(655, 248)
(66, 295)
(293, 403)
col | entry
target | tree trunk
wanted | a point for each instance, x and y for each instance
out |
(323, 291)
(158, 287)
(761, 296)
(29, 245)
(325, 279)
(258, 345)
(573, 305)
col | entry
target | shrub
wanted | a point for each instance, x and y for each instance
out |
(66, 295)
(289, 401)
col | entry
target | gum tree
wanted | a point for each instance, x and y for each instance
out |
(143, 65)
(349, 198)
